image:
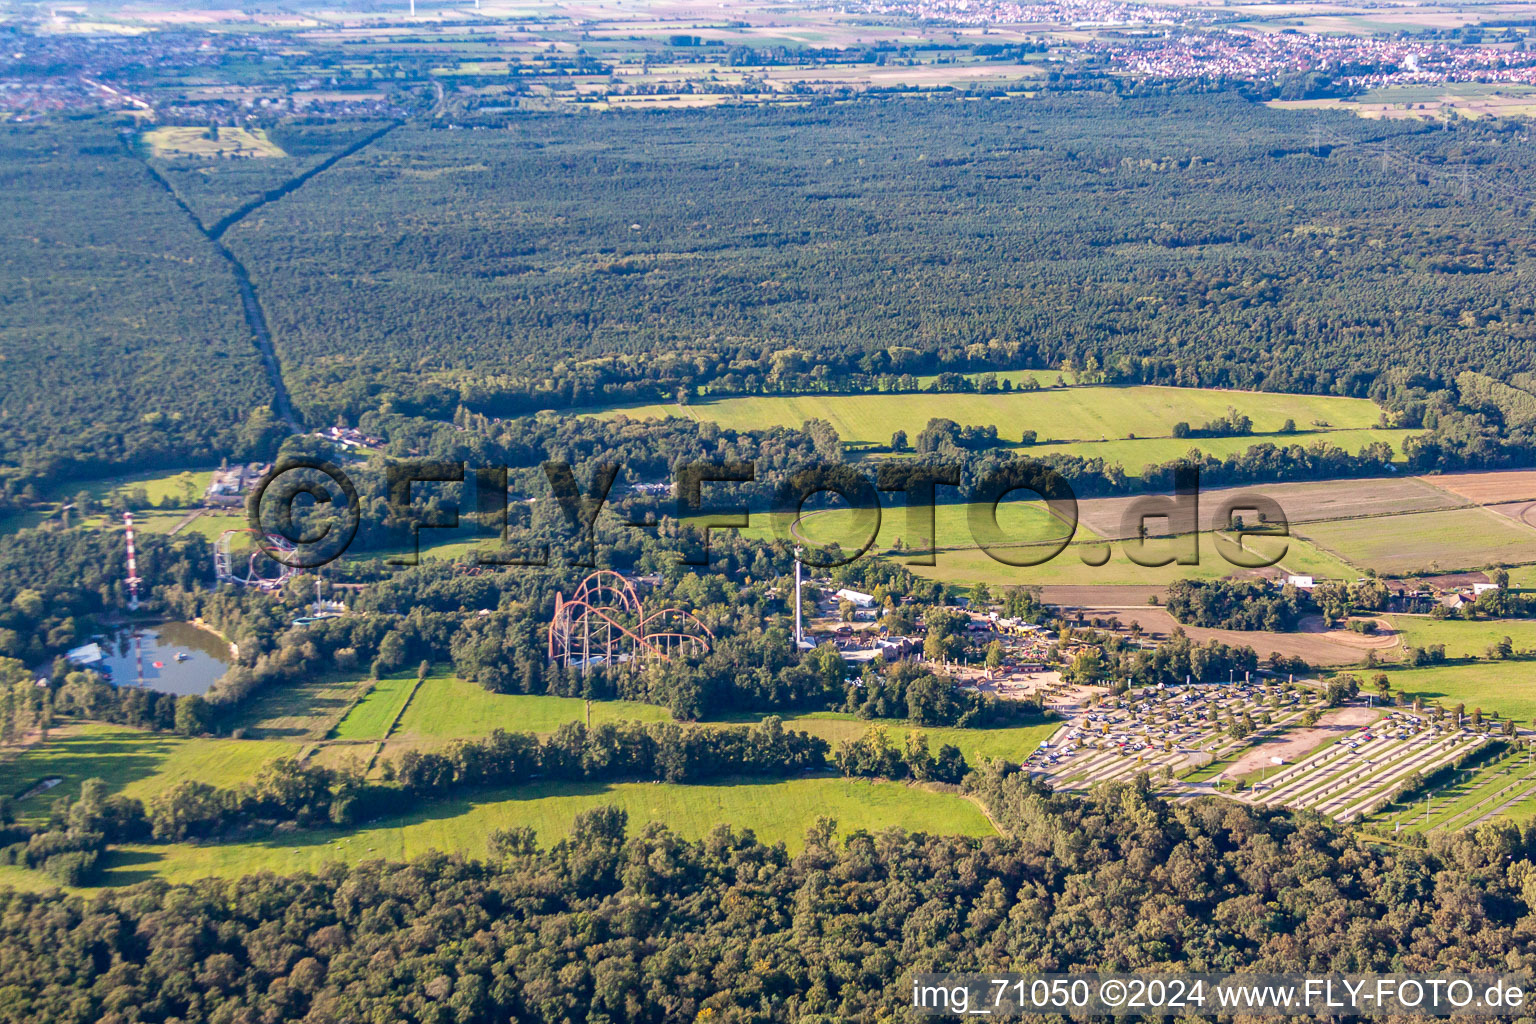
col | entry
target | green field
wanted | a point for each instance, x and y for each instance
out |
(176, 489)
(1304, 557)
(138, 764)
(377, 711)
(1135, 455)
(308, 709)
(159, 485)
(447, 707)
(1027, 527)
(1013, 744)
(1074, 568)
(1022, 522)
(1464, 639)
(776, 811)
(209, 524)
(1508, 687)
(1080, 413)
(172, 141)
(1445, 541)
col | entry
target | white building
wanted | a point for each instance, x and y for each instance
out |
(88, 656)
(858, 600)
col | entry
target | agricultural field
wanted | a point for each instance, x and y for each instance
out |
(1431, 102)
(1021, 521)
(1425, 542)
(776, 811)
(446, 707)
(130, 761)
(169, 141)
(1336, 647)
(1508, 687)
(1497, 488)
(1083, 413)
(1135, 455)
(1302, 502)
(1430, 542)
(1029, 529)
(1463, 639)
(374, 715)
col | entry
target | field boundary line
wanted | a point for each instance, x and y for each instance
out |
(185, 521)
(399, 714)
(359, 693)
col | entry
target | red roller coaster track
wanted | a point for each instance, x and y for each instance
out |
(603, 622)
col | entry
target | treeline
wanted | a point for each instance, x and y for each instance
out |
(308, 794)
(873, 755)
(1121, 664)
(833, 930)
(30, 703)
(1237, 604)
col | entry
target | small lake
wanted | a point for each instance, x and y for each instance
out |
(204, 656)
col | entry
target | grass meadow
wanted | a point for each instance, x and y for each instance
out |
(130, 761)
(779, 811)
(377, 711)
(1508, 687)
(446, 707)
(1464, 639)
(1429, 542)
(303, 710)
(1079, 413)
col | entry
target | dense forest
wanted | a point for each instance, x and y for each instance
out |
(618, 922)
(122, 339)
(561, 260)
(1197, 239)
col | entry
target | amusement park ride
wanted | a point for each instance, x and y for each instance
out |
(256, 570)
(604, 623)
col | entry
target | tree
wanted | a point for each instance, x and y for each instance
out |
(193, 716)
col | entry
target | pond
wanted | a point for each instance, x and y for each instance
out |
(177, 657)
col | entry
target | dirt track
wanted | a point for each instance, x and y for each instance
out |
(1385, 638)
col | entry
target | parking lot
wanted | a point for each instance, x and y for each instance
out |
(1167, 732)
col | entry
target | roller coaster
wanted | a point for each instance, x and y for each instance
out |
(604, 623)
(255, 571)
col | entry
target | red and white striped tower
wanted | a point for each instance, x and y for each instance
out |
(133, 570)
